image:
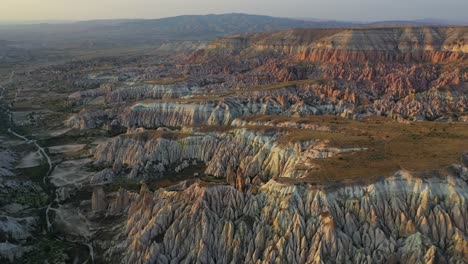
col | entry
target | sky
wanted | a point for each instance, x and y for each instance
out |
(344, 10)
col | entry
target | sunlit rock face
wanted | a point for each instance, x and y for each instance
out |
(265, 206)
(252, 154)
(414, 94)
(399, 219)
(136, 92)
(411, 44)
(87, 119)
(288, 101)
(132, 92)
(215, 112)
(405, 73)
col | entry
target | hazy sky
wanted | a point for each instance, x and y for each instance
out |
(362, 10)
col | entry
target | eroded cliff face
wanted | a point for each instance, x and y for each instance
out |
(404, 73)
(408, 73)
(113, 93)
(251, 173)
(238, 155)
(433, 44)
(416, 103)
(175, 114)
(398, 219)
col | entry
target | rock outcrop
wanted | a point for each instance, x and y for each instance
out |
(404, 73)
(88, 119)
(98, 200)
(433, 44)
(407, 73)
(398, 219)
(133, 92)
(103, 177)
(255, 153)
(187, 114)
(233, 168)
(416, 93)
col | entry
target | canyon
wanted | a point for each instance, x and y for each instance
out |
(307, 145)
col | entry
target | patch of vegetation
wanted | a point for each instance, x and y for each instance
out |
(280, 85)
(23, 130)
(155, 134)
(59, 105)
(195, 99)
(208, 180)
(174, 178)
(73, 137)
(77, 154)
(4, 119)
(317, 119)
(267, 130)
(124, 183)
(31, 198)
(47, 250)
(167, 81)
(390, 146)
(35, 174)
(213, 128)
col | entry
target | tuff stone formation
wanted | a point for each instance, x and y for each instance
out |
(401, 218)
(264, 213)
(255, 154)
(293, 146)
(403, 73)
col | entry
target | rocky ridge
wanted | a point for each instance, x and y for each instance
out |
(433, 44)
(403, 73)
(398, 219)
(238, 155)
(233, 167)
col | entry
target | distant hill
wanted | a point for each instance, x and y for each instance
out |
(420, 22)
(129, 32)
(141, 31)
(393, 23)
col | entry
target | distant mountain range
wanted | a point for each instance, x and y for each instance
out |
(387, 23)
(153, 31)
(419, 22)
(140, 31)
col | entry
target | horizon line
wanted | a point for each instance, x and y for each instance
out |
(307, 19)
